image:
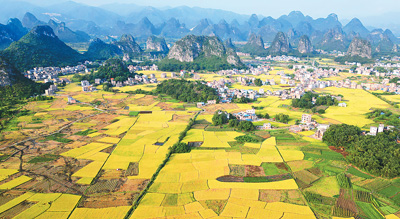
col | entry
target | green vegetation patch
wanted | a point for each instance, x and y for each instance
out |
(44, 158)
(396, 199)
(389, 191)
(319, 199)
(358, 173)
(248, 138)
(368, 210)
(59, 138)
(133, 113)
(272, 169)
(344, 181)
(216, 205)
(86, 132)
(170, 200)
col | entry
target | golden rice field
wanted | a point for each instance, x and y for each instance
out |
(191, 180)
(48, 205)
(5, 173)
(359, 102)
(15, 182)
(139, 143)
(274, 105)
(392, 98)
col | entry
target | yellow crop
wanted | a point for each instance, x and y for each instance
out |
(15, 182)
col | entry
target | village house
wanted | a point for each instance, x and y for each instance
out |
(321, 129)
(306, 118)
(267, 126)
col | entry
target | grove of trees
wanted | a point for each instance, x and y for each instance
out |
(379, 155)
(187, 91)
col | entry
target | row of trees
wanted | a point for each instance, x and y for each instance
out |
(385, 116)
(306, 101)
(187, 91)
(379, 155)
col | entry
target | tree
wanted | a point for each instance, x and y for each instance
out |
(180, 148)
(220, 118)
(341, 135)
(106, 87)
(282, 118)
(258, 82)
(69, 167)
(233, 123)
(246, 126)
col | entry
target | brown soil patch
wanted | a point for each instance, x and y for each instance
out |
(300, 165)
(133, 185)
(112, 174)
(224, 107)
(263, 134)
(254, 171)
(237, 170)
(339, 150)
(345, 201)
(145, 101)
(305, 176)
(108, 150)
(11, 213)
(216, 205)
(180, 118)
(282, 166)
(59, 103)
(316, 171)
(271, 195)
(75, 144)
(199, 126)
(165, 106)
(109, 200)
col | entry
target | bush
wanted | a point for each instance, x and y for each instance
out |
(246, 138)
(246, 126)
(282, 118)
(220, 118)
(180, 148)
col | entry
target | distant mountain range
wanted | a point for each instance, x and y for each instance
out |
(114, 30)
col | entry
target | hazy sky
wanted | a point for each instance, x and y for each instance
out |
(316, 8)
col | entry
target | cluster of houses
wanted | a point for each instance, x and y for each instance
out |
(209, 102)
(51, 74)
(87, 87)
(248, 115)
(308, 124)
(227, 95)
(153, 67)
(260, 69)
(51, 91)
(373, 130)
(282, 58)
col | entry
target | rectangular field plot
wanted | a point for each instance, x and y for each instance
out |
(5, 173)
(65, 202)
(15, 182)
(116, 212)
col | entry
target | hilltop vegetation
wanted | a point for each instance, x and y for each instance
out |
(112, 68)
(40, 47)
